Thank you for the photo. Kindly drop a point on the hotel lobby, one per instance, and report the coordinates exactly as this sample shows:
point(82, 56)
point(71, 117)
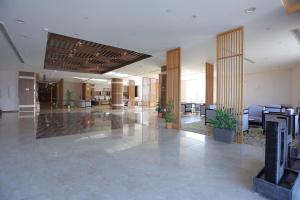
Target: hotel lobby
point(161, 100)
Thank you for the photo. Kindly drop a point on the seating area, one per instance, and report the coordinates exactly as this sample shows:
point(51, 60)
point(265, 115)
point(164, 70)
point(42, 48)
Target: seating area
point(254, 122)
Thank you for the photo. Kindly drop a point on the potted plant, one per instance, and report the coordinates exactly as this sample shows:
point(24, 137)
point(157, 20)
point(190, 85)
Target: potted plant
point(224, 125)
point(69, 98)
point(159, 109)
point(169, 118)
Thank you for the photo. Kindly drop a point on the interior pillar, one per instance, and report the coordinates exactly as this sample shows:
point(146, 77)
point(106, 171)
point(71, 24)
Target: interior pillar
point(209, 87)
point(60, 102)
point(117, 93)
point(174, 82)
point(230, 74)
point(163, 86)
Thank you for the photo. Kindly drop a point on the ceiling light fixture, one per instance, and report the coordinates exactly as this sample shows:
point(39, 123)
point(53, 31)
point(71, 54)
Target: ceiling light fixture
point(97, 79)
point(81, 78)
point(250, 10)
point(20, 21)
point(117, 74)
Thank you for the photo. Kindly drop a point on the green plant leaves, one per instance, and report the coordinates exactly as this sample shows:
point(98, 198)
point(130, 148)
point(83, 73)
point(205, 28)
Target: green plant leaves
point(224, 120)
point(169, 112)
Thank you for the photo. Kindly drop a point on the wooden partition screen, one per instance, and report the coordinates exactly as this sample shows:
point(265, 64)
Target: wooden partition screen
point(230, 74)
point(150, 92)
point(131, 93)
point(209, 86)
point(173, 82)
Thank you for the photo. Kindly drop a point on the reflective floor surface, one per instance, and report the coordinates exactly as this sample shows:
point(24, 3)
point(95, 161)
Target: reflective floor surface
point(118, 155)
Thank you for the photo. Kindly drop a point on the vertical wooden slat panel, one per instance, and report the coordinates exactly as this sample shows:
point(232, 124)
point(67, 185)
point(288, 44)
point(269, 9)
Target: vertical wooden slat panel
point(174, 82)
point(230, 73)
point(61, 94)
point(131, 93)
point(209, 90)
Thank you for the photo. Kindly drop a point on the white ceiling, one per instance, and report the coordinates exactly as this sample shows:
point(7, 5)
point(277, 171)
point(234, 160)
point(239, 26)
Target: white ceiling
point(151, 27)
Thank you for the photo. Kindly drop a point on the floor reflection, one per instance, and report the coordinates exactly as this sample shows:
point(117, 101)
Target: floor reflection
point(60, 124)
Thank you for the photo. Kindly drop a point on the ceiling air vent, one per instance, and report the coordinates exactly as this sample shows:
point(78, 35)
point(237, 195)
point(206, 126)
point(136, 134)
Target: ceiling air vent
point(249, 60)
point(10, 41)
point(296, 33)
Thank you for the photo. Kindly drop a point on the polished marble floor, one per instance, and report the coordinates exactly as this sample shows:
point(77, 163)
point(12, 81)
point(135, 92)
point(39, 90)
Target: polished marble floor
point(118, 155)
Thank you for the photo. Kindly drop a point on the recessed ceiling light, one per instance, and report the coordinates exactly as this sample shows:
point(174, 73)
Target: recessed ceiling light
point(20, 21)
point(250, 10)
point(194, 16)
point(45, 29)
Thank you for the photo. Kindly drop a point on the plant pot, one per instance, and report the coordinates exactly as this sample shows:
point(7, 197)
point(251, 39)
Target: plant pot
point(169, 125)
point(223, 135)
point(160, 114)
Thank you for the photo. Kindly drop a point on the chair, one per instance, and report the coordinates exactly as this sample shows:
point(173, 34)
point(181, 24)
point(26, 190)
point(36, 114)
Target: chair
point(255, 113)
point(202, 109)
point(246, 120)
point(210, 112)
point(197, 107)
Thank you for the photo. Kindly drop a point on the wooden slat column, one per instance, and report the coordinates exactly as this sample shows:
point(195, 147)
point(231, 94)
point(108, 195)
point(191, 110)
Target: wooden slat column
point(60, 101)
point(87, 91)
point(174, 82)
point(117, 93)
point(209, 90)
point(163, 86)
point(131, 93)
point(230, 74)
point(291, 6)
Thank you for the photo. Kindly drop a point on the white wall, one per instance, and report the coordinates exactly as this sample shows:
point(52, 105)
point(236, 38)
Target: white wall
point(193, 89)
point(99, 87)
point(9, 99)
point(296, 87)
point(271, 87)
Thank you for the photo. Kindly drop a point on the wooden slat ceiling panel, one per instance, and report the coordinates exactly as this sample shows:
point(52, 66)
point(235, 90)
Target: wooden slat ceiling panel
point(72, 54)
